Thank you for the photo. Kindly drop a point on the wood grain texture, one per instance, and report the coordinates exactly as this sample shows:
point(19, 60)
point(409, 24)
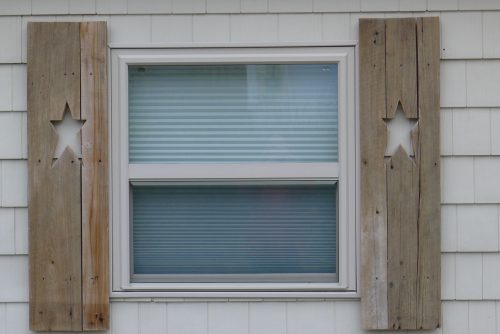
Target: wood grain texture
point(400, 196)
point(429, 256)
point(54, 187)
point(373, 175)
point(95, 210)
point(402, 240)
point(401, 66)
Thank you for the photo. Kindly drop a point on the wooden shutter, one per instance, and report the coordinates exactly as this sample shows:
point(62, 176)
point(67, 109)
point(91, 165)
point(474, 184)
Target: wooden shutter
point(68, 195)
point(400, 195)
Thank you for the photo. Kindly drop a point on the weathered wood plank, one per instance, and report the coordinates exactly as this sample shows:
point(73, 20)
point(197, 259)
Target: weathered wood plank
point(429, 257)
point(401, 66)
point(95, 214)
point(54, 187)
point(373, 175)
point(402, 241)
point(402, 177)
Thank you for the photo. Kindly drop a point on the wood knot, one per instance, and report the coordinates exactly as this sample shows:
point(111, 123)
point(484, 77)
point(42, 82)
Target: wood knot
point(99, 317)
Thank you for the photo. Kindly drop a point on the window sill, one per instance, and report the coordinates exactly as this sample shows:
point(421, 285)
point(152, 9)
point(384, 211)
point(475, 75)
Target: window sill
point(235, 291)
point(226, 296)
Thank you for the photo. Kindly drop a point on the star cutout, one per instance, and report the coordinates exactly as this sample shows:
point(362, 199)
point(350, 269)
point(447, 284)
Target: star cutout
point(399, 133)
point(68, 134)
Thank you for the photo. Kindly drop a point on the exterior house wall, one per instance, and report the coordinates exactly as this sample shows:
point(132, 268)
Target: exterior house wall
point(470, 148)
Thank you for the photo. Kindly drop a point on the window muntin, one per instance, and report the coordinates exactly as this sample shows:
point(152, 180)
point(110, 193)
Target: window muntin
point(261, 172)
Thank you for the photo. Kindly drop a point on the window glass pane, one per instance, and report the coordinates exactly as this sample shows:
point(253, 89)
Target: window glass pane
point(234, 229)
point(233, 113)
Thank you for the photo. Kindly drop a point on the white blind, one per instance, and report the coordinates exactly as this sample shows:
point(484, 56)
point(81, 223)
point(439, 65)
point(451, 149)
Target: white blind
point(234, 229)
point(233, 113)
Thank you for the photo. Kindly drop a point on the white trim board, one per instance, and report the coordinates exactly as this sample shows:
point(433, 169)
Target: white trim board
point(344, 171)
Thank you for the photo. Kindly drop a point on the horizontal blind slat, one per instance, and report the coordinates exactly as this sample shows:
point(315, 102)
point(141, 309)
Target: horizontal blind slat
point(233, 113)
point(234, 229)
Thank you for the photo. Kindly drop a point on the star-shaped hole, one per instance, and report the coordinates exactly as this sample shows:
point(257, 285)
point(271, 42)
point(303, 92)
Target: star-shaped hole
point(68, 134)
point(399, 133)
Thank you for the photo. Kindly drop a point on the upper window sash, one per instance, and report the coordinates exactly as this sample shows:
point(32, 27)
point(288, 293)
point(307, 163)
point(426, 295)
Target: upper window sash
point(284, 55)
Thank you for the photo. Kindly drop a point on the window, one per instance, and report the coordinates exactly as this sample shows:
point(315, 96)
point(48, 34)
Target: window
point(234, 171)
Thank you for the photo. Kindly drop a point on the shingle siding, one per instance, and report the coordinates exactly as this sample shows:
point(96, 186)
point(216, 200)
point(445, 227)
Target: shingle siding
point(44, 7)
point(470, 148)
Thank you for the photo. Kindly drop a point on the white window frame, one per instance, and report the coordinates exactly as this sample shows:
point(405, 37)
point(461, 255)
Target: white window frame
point(345, 171)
